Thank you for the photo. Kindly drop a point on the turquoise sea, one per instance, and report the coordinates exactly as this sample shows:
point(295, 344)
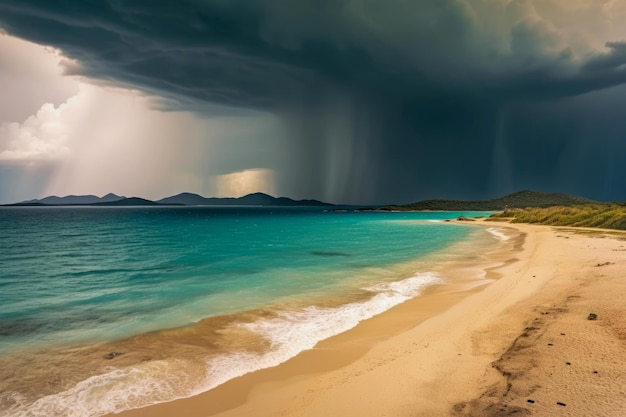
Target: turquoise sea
point(105, 309)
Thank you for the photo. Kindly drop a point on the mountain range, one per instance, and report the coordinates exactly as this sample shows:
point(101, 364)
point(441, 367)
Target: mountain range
point(53, 200)
point(183, 199)
point(256, 199)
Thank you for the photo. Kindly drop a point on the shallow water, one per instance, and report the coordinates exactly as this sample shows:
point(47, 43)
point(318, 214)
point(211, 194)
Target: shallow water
point(88, 294)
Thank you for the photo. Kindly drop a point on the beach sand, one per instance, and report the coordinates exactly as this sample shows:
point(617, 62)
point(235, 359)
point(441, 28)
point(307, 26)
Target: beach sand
point(523, 345)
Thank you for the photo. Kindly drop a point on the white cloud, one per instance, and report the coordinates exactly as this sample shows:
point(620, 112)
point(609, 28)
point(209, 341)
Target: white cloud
point(41, 137)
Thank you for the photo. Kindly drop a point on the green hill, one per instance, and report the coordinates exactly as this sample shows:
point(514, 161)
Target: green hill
point(521, 199)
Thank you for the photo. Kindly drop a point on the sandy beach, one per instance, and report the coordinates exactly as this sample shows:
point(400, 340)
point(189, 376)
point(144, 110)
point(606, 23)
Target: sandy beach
point(546, 337)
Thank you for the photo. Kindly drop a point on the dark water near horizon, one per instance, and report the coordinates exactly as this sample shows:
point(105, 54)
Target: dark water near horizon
point(245, 288)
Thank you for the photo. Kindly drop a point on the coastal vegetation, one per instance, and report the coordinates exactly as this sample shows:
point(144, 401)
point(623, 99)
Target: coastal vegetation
point(600, 215)
point(536, 207)
point(520, 199)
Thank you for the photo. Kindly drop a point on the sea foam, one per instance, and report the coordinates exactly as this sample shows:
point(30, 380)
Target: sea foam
point(115, 391)
point(293, 332)
point(288, 334)
point(497, 233)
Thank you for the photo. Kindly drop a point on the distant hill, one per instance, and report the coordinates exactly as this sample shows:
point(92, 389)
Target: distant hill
point(521, 199)
point(256, 199)
point(131, 201)
point(186, 199)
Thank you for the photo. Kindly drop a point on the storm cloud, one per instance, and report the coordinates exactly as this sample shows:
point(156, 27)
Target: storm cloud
point(382, 101)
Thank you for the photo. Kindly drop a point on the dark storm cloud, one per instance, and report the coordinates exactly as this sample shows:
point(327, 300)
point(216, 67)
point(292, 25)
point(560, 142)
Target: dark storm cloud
point(599, 72)
point(384, 99)
point(208, 53)
point(255, 53)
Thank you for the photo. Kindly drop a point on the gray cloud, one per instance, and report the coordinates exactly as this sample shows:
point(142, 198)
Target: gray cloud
point(257, 54)
point(383, 100)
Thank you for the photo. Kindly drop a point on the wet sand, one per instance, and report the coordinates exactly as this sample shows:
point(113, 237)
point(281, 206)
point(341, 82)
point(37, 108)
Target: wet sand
point(523, 345)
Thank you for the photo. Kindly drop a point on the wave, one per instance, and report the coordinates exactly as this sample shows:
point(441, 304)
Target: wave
point(497, 233)
point(293, 332)
point(287, 334)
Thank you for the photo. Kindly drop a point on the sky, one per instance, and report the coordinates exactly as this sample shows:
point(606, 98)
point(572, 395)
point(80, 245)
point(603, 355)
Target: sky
point(346, 101)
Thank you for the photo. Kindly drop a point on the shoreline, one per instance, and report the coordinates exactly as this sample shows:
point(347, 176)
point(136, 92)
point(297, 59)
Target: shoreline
point(347, 347)
point(460, 353)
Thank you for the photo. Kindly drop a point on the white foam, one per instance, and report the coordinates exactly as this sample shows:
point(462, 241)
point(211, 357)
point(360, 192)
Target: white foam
point(497, 233)
point(11, 401)
point(294, 332)
point(115, 391)
point(288, 334)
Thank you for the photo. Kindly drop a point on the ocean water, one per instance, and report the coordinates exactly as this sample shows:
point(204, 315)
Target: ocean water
point(106, 309)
